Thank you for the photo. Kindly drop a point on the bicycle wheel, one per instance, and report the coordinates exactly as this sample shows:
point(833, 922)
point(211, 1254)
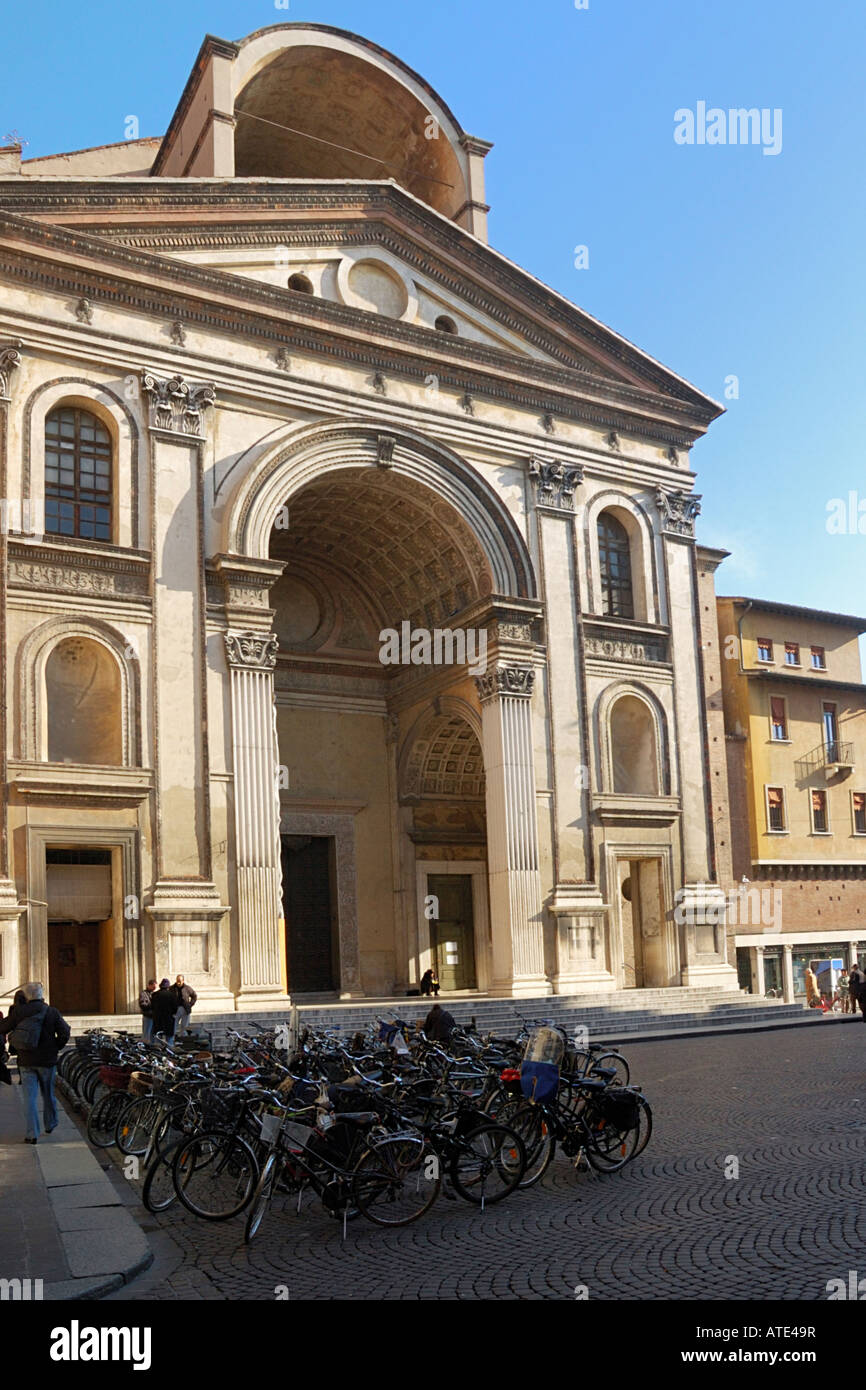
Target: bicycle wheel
point(158, 1191)
point(529, 1123)
point(396, 1180)
point(103, 1118)
point(610, 1146)
point(135, 1125)
point(645, 1128)
point(215, 1175)
point(490, 1164)
point(612, 1061)
point(261, 1198)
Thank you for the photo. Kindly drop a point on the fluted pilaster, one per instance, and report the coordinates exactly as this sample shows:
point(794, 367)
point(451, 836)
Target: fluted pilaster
point(251, 658)
point(512, 830)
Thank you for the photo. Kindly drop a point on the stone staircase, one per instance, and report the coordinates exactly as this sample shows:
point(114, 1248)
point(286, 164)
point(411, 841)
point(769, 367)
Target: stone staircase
point(610, 1017)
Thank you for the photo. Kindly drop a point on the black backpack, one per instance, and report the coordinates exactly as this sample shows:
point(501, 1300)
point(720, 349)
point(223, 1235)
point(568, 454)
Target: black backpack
point(26, 1034)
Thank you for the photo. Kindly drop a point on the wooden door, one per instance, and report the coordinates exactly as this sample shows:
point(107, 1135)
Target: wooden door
point(453, 932)
point(312, 958)
point(73, 967)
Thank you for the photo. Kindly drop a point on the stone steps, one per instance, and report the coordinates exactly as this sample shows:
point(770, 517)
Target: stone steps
point(614, 1014)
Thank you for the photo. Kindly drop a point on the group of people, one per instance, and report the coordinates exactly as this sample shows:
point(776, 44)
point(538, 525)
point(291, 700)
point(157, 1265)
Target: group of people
point(850, 991)
point(165, 1008)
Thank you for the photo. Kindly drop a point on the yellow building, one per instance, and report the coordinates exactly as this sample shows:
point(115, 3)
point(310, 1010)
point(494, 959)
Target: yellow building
point(795, 724)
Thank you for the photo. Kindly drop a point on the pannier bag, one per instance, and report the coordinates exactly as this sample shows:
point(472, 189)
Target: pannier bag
point(619, 1107)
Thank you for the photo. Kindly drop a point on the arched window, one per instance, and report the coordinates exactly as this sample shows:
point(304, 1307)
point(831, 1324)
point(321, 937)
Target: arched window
point(445, 325)
point(634, 760)
point(78, 475)
point(301, 284)
point(84, 704)
point(614, 558)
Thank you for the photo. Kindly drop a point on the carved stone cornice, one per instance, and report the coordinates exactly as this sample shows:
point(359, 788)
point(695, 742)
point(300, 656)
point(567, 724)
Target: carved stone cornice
point(516, 681)
point(555, 484)
point(251, 651)
point(678, 512)
point(10, 359)
point(176, 407)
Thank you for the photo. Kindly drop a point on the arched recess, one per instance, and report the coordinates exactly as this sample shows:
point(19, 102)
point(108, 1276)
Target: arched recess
point(281, 469)
point(119, 420)
point(632, 732)
point(447, 733)
point(369, 114)
point(32, 693)
point(639, 528)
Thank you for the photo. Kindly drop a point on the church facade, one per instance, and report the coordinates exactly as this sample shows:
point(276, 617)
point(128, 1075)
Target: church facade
point(349, 584)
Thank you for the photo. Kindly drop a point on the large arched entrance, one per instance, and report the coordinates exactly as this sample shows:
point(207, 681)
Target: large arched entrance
point(382, 767)
point(400, 657)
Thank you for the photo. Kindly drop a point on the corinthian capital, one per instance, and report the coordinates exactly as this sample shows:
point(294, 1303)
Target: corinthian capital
point(505, 680)
point(252, 651)
point(678, 512)
point(177, 406)
point(10, 358)
point(554, 484)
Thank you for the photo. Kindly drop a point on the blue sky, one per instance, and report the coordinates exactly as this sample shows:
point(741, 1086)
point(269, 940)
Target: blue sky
point(718, 260)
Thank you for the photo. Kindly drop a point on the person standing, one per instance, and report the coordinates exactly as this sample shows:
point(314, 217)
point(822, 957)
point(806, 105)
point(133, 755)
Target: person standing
point(184, 998)
point(163, 1009)
point(813, 994)
point(37, 1032)
point(857, 989)
point(844, 989)
point(144, 1003)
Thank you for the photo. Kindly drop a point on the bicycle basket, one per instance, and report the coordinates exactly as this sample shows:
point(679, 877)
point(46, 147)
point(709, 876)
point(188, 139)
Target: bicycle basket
point(539, 1070)
point(618, 1107)
point(117, 1078)
point(140, 1083)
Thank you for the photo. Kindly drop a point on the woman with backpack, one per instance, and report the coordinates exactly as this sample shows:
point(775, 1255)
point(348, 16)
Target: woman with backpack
point(36, 1032)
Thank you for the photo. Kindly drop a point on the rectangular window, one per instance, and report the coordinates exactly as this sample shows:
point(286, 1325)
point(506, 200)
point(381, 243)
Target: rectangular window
point(831, 733)
point(818, 662)
point(820, 824)
point(778, 718)
point(858, 800)
point(775, 808)
point(792, 653)
point(765, 649)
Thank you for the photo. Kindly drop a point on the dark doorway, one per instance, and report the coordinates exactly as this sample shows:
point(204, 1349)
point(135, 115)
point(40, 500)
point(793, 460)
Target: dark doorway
point(73, 967)
point(453, 932)
point(312, 951)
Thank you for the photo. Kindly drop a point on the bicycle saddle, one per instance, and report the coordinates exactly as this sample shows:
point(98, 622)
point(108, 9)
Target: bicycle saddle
point(362, 1118)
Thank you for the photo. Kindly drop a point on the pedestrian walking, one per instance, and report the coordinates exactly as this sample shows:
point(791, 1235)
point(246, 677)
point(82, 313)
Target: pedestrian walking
point(163, 1010)
point(184, 999)
point(144, 1003)
point(36, 1032)
point(813, 993)
point(857, 988)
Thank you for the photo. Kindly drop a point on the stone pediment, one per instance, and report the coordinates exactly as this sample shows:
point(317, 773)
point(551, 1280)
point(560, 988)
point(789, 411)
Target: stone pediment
point(370, 250)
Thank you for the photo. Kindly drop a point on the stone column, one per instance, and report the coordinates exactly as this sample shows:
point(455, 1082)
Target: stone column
point(512, 831)
point(760, 978)
point(251, 658)
point(788, 974)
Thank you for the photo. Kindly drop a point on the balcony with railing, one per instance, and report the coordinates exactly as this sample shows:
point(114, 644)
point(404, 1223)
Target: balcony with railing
point(832, 757)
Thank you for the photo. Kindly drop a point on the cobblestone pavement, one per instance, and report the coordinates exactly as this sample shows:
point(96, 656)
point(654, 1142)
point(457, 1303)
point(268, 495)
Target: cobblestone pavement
point(789, 1106)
